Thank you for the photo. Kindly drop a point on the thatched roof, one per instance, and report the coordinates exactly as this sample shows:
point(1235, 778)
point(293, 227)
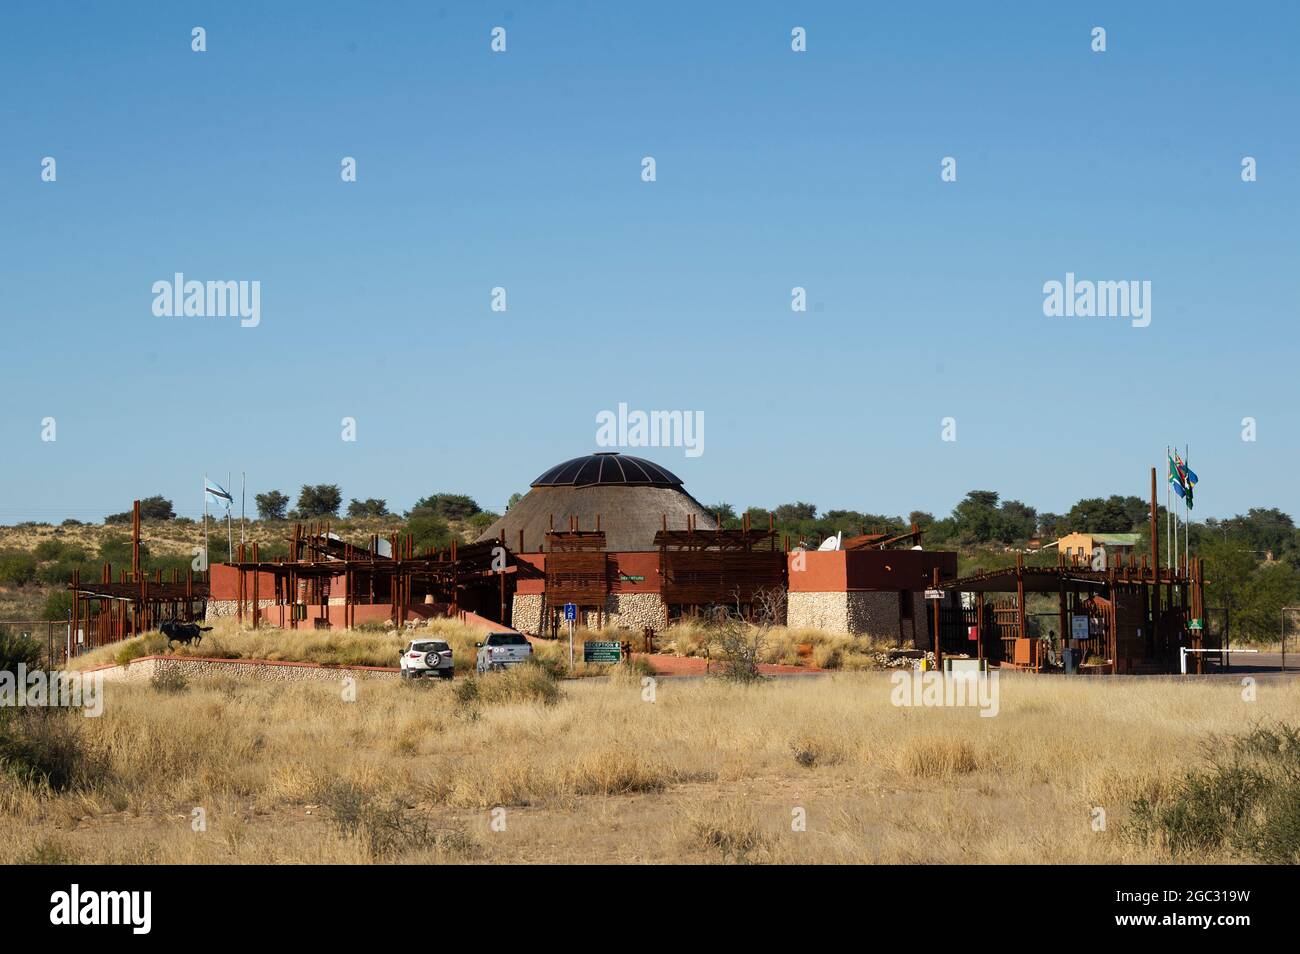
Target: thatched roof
point(629, 515)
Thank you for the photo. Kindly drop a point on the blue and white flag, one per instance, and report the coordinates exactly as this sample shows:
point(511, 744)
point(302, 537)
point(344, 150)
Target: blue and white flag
point(216, 493)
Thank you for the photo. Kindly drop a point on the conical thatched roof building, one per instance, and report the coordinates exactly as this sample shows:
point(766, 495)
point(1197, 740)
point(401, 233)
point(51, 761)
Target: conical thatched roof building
point(631, 496)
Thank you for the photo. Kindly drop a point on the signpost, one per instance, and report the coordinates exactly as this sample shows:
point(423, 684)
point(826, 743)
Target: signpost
point(570, 615)
point(601, 652)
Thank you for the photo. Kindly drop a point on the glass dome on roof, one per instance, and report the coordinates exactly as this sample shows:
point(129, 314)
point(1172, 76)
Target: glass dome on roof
point(607, 469)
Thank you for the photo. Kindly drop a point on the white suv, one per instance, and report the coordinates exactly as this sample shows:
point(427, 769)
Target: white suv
point(427, 657)
point(502, 650)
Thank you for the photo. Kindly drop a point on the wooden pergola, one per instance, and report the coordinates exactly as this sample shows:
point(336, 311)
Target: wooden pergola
point(373, 574)
point(110, 610)
point(1139, 613)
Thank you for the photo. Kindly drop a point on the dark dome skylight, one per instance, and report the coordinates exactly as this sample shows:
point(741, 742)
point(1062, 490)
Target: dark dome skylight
point(608, 469)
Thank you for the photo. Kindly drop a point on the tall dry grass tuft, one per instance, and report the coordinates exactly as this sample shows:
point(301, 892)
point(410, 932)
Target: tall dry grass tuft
point(930, 757)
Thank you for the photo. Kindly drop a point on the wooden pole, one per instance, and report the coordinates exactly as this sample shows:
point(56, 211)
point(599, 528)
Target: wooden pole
point(938, 648)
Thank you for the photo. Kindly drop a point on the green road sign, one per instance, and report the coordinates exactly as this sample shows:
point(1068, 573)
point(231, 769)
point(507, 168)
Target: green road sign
point(601, 652)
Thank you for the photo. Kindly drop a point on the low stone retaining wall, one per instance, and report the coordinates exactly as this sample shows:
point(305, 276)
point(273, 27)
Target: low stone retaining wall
point(266, 670)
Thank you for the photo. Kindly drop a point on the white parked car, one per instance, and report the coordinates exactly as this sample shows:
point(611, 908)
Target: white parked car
point(427, 657)
point(501, 650)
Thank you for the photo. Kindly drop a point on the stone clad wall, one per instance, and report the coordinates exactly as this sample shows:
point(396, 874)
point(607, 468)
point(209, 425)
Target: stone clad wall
point(144, 669)
point(526, 614)
point(630, 611)
point(859, 613)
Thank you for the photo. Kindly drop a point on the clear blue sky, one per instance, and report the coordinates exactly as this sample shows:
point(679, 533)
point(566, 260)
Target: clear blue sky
point(522, 170)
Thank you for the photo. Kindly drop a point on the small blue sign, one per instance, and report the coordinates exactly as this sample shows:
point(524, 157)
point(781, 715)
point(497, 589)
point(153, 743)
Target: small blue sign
point(570, 611)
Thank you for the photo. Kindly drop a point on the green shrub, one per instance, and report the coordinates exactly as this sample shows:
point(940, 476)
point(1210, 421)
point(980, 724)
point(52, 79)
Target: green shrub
point(17, 568)
point(17, 649)
point(1247, 800)
point(57, 605)
point(150, 644)
point(48, 550)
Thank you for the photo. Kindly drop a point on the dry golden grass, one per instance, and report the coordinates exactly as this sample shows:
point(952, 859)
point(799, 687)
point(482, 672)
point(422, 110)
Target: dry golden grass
point(781, 645)
point(357, 647)
point(707, 772)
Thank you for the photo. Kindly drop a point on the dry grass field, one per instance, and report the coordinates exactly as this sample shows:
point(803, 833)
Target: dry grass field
point(518, 768)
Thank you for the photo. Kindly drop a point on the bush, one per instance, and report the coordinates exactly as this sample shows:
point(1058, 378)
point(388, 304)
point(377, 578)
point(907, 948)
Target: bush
point(387, 829)
point(483, 519)
point(740, 648)
point(169, 680)
point(16, 649)
point(57, 605)
point(48, 550)
point(428, 531)
point(45, 748)
point(116, 549)
point(447, 506)
point(1246, 800)
point(524, 683)
point(150, 644)
point(17, 569)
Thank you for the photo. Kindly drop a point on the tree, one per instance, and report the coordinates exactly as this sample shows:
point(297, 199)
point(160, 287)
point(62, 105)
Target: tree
point(272, 505)
point(975, 518)
point(447, 506)
point(320, 500)
point(921, 518)
point(1114, 514)
point(514, 499)
point(1263, 530)
point(371, 507)
point(428, 530)
point(1253, 594)
point(1016, 521)
point(156, 507)
point(789, 513)
point(1049, 524)
point(725, 511)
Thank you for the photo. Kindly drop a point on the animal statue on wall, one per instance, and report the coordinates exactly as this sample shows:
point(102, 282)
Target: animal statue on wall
point(179, 632)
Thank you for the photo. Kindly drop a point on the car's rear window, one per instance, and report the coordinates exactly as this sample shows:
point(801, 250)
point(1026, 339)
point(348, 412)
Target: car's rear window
point(506, 639)
point(433, 647)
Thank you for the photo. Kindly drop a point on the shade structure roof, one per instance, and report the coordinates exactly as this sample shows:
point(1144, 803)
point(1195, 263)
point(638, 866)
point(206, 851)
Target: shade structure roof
point(610, 468)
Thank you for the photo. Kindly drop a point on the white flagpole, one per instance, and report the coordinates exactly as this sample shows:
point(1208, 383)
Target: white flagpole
point(205, 518)
point(230, 530)
point(1169, 514)
point(1173, 554)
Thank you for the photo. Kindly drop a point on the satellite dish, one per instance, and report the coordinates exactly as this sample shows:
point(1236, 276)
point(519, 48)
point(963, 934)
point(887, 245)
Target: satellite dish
point(830, 543)
point(917, 547)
